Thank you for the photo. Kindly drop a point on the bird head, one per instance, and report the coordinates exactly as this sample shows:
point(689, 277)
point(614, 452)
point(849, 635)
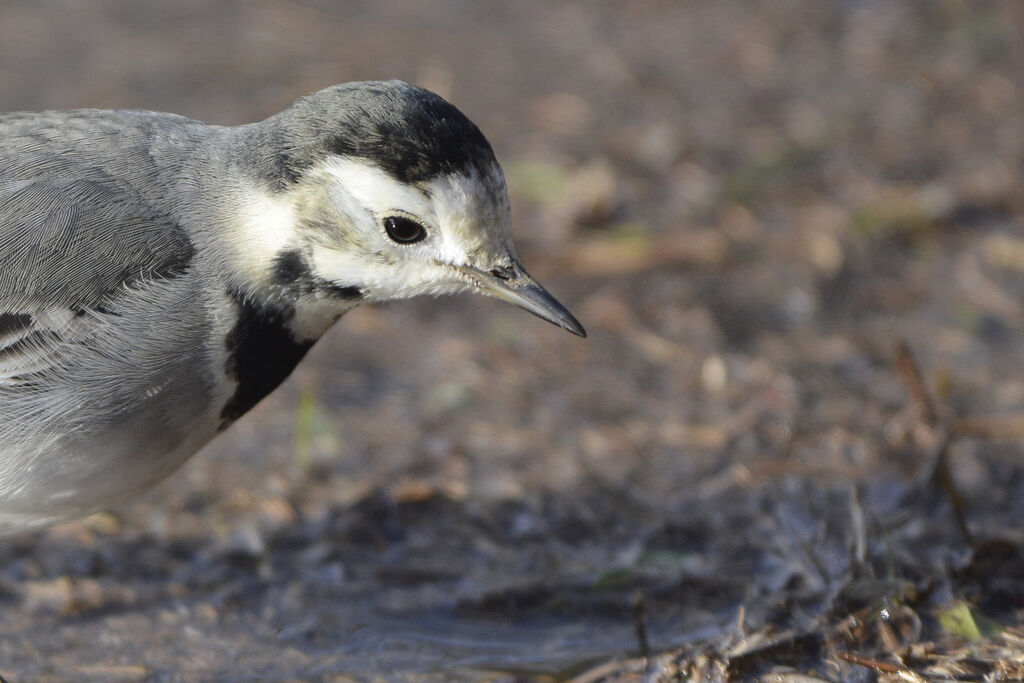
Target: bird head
point(391, 192)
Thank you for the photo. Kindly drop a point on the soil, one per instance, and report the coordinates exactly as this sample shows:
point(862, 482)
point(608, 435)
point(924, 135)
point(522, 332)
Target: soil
point(790, 448)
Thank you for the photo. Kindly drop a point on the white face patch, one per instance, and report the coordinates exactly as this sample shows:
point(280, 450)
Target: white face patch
point(364, 188)
point(332, 223)
point(473, 210)
point(267, 225)
point(465, 217)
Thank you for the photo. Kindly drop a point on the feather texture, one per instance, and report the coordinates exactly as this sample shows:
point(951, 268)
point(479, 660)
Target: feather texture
point(101, 316)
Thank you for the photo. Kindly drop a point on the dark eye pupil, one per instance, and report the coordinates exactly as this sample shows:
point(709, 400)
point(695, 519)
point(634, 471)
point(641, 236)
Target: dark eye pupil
point(404, 230)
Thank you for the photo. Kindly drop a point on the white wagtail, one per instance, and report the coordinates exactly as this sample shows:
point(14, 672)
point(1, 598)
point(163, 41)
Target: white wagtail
point(160, 276)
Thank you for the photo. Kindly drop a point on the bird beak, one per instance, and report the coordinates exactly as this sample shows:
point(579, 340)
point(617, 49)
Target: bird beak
point(513, 284)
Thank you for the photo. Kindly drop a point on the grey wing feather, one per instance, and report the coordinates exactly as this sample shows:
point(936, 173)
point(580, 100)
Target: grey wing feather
point(100, 307)
point(71, 242)
point(73, 237)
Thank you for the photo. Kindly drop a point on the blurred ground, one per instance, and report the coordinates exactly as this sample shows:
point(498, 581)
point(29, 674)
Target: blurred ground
point(748, 205)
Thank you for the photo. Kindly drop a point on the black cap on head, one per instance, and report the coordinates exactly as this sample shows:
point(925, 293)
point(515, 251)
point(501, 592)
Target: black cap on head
point(410, 133)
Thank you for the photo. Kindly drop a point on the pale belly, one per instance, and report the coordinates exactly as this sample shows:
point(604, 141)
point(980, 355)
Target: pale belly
point(69, 478)
point(122, 400)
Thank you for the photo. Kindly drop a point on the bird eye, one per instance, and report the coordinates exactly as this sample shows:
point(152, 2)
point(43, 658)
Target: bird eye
point(404, 230)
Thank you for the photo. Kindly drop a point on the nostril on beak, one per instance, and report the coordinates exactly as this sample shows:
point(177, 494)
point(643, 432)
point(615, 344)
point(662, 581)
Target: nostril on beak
point(505, 273)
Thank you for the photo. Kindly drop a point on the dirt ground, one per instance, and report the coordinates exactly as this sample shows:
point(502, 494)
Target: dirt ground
point(793, 230)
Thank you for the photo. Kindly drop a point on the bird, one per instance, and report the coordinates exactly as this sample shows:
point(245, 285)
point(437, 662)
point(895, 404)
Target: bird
point(160, 276)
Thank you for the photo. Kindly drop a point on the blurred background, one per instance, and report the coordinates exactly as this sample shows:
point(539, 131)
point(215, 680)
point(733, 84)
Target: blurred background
point(749, 205)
